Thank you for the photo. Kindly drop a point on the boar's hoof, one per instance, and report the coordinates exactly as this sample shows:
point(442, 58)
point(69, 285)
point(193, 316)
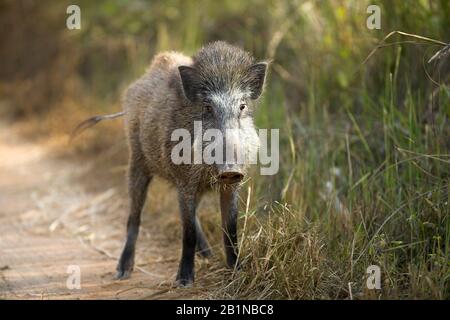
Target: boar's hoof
point(122, 274)
point(184, 283)
point(234, 264)
point(204, 252)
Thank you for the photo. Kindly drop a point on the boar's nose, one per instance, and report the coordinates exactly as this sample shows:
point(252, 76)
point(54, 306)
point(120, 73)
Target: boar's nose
point(230, 177)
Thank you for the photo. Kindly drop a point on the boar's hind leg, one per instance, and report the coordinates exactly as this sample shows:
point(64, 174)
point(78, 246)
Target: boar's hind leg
point(185, 276)
point(203, 247)
point(229, 211)
point(138, 181)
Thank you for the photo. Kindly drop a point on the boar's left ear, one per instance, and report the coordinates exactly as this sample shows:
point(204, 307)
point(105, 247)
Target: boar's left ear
point(257, 76)
point(189, 81)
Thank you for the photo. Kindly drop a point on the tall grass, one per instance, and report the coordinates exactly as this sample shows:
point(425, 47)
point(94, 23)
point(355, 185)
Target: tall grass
point(362, 192)
point(364, 164)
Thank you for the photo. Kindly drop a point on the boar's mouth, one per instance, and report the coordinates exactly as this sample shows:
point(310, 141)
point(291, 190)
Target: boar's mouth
point(230, 177)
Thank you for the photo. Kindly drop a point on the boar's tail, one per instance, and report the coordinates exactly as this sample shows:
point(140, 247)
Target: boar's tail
point(86, 124)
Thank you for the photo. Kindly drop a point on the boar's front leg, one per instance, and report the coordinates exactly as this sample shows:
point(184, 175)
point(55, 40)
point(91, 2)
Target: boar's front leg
point(187, 202)
point(229, 211)
point(138, 181)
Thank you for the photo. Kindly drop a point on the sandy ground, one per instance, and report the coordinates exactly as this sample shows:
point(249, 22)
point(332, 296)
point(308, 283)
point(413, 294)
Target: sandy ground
point(52, 223)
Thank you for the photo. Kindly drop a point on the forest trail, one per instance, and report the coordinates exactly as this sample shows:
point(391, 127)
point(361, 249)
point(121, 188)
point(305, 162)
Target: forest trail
point(52, 223)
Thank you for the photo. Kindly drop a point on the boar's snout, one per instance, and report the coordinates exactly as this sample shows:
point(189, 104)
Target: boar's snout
point(230, 177)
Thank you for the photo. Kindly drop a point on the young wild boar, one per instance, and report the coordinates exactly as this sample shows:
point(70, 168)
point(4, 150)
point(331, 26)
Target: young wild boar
point(218, 86)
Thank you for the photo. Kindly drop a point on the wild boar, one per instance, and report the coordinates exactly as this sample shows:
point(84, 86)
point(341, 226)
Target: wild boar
point(218, 87)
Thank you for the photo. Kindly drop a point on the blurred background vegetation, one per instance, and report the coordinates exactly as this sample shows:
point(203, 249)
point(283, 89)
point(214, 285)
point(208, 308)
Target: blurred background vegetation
point(364, 164)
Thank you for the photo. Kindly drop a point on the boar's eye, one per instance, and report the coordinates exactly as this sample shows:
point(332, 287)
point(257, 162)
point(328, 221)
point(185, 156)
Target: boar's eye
point(242, 106)
point(207, 109)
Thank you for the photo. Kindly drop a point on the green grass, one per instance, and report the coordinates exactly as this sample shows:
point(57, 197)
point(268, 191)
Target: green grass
point(386, 204)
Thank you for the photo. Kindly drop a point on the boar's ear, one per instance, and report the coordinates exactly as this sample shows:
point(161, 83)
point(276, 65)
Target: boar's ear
point(257, 75)
point(189, 80)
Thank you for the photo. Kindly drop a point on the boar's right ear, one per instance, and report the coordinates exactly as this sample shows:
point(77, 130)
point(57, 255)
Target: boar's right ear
point(189, 80)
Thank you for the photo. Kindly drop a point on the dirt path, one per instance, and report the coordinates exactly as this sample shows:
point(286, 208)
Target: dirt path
point(51, 222)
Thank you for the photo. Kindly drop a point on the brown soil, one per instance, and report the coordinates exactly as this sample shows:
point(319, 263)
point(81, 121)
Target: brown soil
point(57, 212)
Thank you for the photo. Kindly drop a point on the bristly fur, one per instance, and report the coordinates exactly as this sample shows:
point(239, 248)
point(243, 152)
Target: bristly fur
point(222, 67)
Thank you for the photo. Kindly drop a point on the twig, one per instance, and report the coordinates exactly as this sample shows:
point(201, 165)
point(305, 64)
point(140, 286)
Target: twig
point(111, 256)
point(383, 44)
point(441, 53)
